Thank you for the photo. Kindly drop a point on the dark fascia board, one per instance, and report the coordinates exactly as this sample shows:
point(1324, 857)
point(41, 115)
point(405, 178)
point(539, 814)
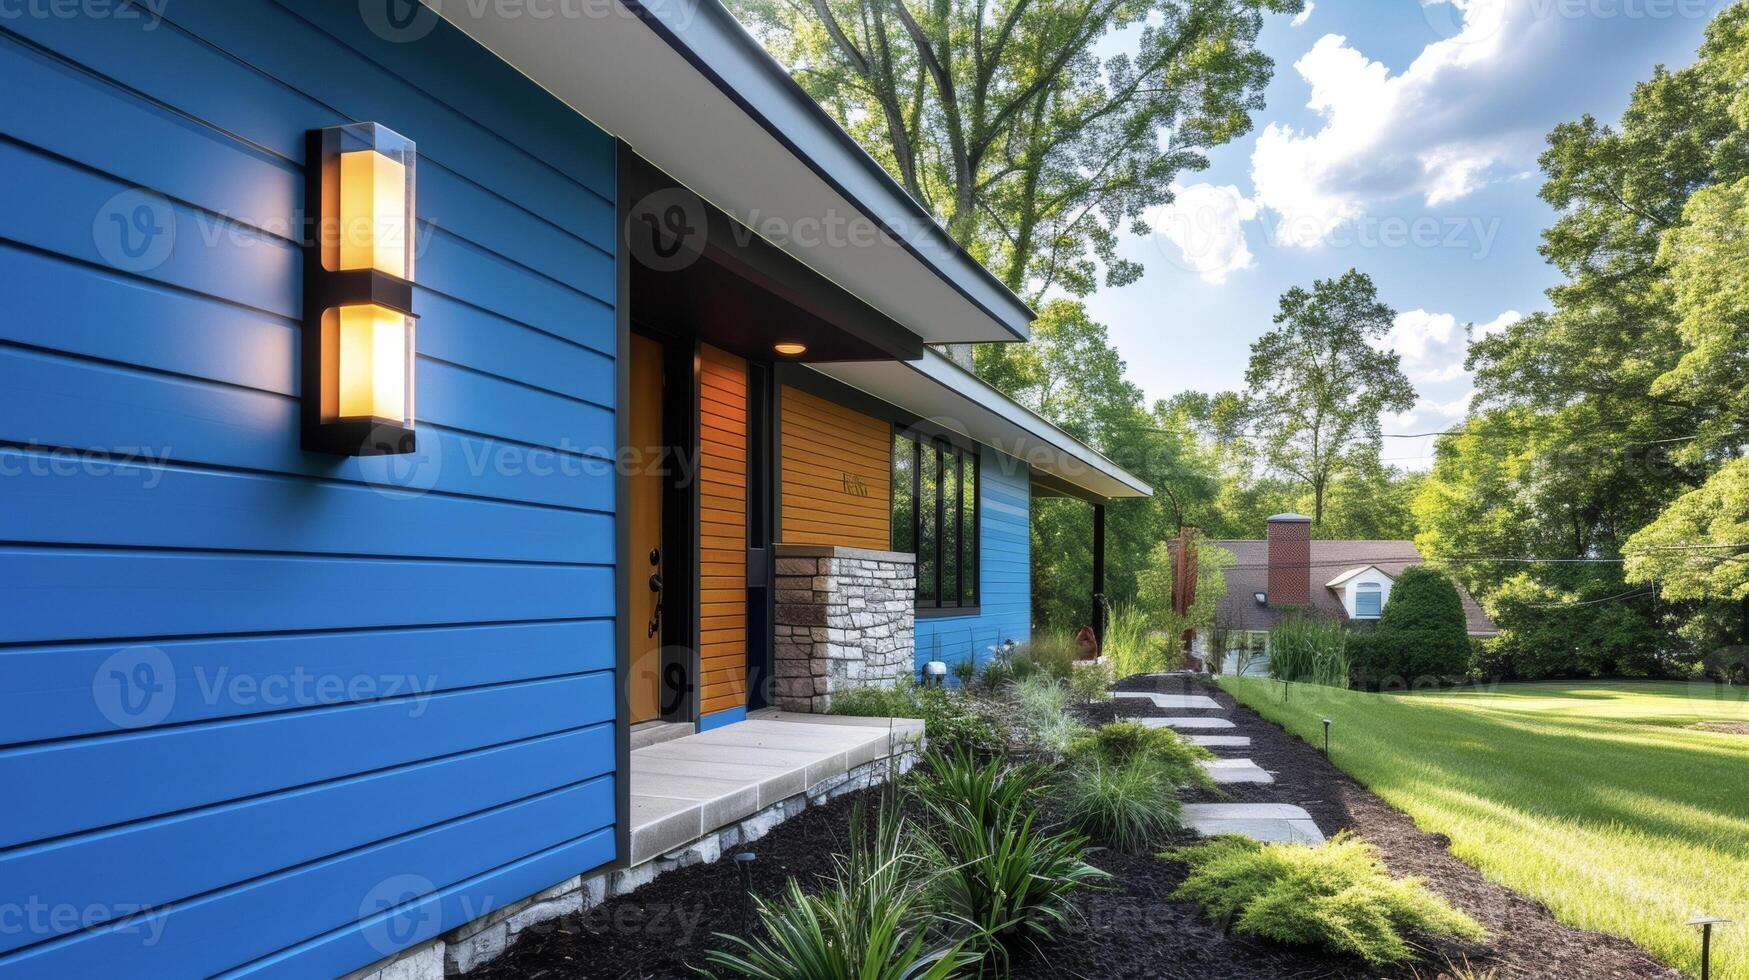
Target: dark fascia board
point(721, 49)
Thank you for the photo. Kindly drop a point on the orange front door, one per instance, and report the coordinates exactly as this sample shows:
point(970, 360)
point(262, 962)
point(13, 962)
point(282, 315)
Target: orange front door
point(644, 516)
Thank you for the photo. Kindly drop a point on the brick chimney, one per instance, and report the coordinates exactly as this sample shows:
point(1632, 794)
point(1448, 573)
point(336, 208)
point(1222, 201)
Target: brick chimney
point(1290, 560)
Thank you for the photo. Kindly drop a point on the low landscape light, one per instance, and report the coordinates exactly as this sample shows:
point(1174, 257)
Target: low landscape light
point(1706, 923)
point(1326, 738)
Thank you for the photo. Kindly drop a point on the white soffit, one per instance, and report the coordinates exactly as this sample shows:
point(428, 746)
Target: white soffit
point(693, 93)
point(940, 391)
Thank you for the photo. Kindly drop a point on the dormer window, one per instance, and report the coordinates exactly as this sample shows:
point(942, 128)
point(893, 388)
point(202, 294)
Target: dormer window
point(1368, 600)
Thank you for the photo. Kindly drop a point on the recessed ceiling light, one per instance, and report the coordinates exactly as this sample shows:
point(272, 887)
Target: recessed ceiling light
point(790, 348)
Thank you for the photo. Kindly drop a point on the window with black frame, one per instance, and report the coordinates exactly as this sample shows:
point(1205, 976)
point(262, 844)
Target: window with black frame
point(935, 517)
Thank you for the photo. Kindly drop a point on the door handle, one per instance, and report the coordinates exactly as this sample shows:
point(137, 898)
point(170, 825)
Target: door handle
point(656, 582)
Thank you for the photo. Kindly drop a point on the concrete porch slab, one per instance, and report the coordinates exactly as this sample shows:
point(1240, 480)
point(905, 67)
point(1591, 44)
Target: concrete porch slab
point(1220, 741)
point(1187, 723)
point(1237, 771)
point(685, 788)
point(1173, 702)
point(1271, 823)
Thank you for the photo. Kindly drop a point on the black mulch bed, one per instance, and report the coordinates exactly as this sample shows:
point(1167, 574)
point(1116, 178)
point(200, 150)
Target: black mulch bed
point(1133, 929)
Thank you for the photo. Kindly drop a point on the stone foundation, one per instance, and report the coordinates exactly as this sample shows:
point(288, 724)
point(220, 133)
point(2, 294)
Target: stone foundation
point(846, 618)
point(466, 947)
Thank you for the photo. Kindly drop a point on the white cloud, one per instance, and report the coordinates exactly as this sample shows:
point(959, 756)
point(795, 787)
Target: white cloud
point(1204, 230)
point(1457, 118)
point(1498, 324)
point(1303, 16)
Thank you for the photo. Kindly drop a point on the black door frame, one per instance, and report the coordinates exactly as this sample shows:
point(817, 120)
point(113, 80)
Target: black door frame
point(761, 534)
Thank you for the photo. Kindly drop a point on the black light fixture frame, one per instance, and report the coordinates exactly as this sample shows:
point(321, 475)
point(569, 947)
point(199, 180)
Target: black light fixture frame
point(325, 289)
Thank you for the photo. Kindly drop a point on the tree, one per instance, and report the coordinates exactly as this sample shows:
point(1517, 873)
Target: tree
point(1318, 384)
point(1422, 634)
point(1593, 420)
point(1006, 122)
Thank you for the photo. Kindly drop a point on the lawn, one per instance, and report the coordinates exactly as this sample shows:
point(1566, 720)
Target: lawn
point(1600, 799)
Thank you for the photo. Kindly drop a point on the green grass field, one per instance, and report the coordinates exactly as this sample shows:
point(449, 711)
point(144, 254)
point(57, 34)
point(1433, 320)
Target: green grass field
point(1599, 799)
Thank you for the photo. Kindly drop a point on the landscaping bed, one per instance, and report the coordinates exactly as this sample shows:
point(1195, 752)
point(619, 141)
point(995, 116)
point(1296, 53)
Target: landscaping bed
point(1131, 927)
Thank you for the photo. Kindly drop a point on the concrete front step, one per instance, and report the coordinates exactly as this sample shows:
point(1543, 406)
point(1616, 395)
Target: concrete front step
point(1237, 771)
point(1186, 723)
point(1271, 823)
point(1220, 741)
point(1174, 702)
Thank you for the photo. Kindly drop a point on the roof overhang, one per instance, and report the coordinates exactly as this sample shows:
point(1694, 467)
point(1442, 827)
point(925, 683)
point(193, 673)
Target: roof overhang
point(949, 397)
point(685, 85)
point(1354, 572)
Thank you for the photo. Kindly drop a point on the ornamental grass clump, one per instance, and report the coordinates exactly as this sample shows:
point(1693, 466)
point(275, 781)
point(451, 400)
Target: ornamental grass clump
point(1122, 742)
point(872, 920)
point(1129, 806)
point(997, 872)
point(1337, 896)
point(1310, 651)
point(1041, 713)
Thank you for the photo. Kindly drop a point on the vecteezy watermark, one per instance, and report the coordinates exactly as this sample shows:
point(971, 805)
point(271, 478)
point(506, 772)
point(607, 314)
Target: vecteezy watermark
point(135, 231)
point(399, 911)
point(648, 919)
point(667, 231)
point(1475, 21)
point(406, 21)
point(147, 13)
point(1472, 234)
point(135, 687)
point(138, 686)
point(142, 463)
point(39, 918)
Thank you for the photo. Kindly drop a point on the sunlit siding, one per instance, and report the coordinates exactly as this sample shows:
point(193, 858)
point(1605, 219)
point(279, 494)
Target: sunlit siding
point(1005, 604)
point(211, 640)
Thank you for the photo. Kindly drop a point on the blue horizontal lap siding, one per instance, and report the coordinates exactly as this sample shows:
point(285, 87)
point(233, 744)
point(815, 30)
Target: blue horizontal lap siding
point(1004, 579)
point(359, 673)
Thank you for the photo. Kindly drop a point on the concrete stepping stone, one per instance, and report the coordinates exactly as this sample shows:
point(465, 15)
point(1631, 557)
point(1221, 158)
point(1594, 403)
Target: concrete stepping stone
point(1237, 771)
point(1174, 702)
point(1271, 823)
point(1220, 741)
point(1185, 723)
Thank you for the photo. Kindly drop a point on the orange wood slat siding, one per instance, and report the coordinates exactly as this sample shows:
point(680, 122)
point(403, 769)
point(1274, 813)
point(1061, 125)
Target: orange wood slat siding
point(722, 532)
point(837, 474)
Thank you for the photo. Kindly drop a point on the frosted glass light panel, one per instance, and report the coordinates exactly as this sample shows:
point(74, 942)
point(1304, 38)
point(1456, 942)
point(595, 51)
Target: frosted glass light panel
point(367, 200)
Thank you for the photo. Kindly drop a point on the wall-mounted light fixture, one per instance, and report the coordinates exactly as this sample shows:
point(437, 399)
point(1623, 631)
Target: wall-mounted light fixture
point(358, 292)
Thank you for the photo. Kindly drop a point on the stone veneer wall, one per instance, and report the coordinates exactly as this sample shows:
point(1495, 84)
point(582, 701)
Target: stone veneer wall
point(846, 618)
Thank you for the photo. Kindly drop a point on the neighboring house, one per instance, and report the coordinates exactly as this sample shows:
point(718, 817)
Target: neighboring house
point(1288, 571)
point(301, 674)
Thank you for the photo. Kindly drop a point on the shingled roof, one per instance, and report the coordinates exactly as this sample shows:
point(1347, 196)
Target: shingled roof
point(1249, 574)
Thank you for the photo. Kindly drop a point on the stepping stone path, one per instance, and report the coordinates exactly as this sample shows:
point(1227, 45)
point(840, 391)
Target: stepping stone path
point(1182, 723)
point(1237, 771)
point(1174, 702)
point(1271, 823)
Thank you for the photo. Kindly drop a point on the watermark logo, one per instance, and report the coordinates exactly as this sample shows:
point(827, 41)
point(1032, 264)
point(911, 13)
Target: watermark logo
point(409, 919)
point(148, 13)
point(400, 21)
point(405, 474)
point(135, 687)
point(666, 231)
point(135, 231)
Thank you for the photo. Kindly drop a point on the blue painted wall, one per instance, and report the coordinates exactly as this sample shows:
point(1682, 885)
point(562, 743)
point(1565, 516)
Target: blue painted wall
point(1005, 571)
point(302, 711)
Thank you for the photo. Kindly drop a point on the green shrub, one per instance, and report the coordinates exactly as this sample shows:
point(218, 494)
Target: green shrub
point(1310, 651)
point(1336, 896)
point(1131, 644)
point(1051, 653)
point(899, 701)
point(1130, 805)
point(870, 921)
point(952, 719)
point(1422, 634)
point(1000, 874)
point(965, 671)
point(1090, 682)
point(1122, 742)
point(1041, 713)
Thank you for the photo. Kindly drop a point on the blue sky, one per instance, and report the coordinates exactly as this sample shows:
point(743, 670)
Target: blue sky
point(1400, 139)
